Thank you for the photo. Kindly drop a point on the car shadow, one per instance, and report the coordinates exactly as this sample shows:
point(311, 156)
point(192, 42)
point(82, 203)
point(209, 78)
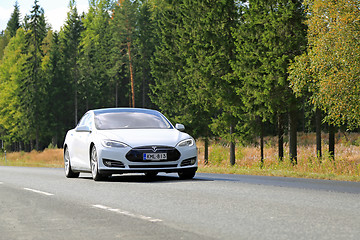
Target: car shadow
point(139, 178)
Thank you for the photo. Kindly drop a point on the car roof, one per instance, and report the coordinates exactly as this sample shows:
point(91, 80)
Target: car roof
point(115, 110)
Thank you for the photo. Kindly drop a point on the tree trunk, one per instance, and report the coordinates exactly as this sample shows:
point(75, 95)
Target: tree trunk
point(131, 76)
point(75, 104)
point(318, 132)
point(232, 147)
point(206, 152)
point(261, 144)
point(116, 94)
point(37, 143)
point(143, 89)
point(280, 138)
point(293, 136)
point(332, 142)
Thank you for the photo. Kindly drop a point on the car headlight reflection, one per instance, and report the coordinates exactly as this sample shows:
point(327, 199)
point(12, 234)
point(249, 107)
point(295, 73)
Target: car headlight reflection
point(113, 144)
point(186, 143)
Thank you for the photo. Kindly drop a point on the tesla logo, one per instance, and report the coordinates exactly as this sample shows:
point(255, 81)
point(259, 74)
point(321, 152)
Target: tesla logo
point(154, 148)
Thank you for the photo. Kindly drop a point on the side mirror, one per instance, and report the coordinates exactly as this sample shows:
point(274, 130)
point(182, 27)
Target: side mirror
point(180, 127)
point(82, 129)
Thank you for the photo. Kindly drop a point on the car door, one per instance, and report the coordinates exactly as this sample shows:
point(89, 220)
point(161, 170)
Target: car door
point(81, 143)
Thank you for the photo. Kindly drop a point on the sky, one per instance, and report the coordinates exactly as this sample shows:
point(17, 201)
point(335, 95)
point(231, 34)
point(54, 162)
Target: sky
point(55, 10)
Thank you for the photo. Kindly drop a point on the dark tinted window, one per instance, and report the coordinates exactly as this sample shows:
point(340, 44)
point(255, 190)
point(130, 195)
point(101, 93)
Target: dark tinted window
point(131, 120)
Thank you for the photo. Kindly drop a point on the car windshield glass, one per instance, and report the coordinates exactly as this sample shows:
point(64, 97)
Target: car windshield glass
point(130, 120)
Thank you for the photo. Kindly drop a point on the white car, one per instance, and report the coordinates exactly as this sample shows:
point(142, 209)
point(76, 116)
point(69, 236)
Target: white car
point(128, 140)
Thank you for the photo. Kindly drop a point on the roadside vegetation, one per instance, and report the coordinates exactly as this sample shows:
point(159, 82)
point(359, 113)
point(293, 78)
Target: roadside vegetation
point(346, 167)
point(236, 70)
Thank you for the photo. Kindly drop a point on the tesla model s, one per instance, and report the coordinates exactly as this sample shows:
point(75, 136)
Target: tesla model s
point(128, 140)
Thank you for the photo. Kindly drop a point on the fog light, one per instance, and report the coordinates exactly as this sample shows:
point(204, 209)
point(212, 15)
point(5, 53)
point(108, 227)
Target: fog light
point(107, 163)
point(193, 161)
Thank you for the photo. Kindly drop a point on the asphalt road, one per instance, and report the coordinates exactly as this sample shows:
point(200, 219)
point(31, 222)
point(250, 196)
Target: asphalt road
point(40, 203)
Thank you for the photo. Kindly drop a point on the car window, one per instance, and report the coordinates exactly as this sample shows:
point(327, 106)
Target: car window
point(84, 120)
point(131, 120)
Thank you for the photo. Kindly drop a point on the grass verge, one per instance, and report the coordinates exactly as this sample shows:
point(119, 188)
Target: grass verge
point(346, 166)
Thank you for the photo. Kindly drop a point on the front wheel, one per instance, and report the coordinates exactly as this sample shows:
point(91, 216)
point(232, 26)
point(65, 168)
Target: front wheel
point(187, 174)
point(95, 165)
point(69, 173)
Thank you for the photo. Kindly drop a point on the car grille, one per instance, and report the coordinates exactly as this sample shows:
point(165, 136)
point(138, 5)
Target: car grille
point(112, 163)
point(154, 166)
point(136, 154)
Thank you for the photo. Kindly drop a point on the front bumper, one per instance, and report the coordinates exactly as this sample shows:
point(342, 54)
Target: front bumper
point(114, 161)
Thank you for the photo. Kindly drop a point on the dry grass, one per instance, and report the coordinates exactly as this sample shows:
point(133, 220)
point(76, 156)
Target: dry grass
point(345, 167)
point(47, 158)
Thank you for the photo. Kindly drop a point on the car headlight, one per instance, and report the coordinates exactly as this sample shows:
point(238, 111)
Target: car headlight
point(114, 144)
point(186, 143)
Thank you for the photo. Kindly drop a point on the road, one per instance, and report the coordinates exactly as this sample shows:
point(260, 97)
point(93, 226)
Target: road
point(40, 203)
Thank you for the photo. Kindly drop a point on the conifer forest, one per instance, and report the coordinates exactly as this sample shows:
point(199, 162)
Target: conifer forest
point(229, 69)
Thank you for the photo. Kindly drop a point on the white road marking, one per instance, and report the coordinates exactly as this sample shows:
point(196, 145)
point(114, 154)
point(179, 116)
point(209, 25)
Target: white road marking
point(37, 191)
point(126, 213)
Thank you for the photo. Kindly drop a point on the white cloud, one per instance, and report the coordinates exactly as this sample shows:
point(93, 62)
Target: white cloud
point(56, 17)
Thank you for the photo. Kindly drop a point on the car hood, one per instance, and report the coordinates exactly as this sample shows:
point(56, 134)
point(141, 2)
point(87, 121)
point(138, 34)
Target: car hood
point(145, 137)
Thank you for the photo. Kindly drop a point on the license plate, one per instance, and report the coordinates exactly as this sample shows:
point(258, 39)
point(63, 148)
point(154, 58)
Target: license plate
point(155, 156)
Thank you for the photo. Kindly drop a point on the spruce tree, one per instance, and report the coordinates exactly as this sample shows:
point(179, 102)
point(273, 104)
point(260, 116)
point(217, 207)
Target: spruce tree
point(69, 42)
point(14, 23)
point(95, 89)
point(271, 34)
point(207, 45)
point(145, 42)
point(32, 86)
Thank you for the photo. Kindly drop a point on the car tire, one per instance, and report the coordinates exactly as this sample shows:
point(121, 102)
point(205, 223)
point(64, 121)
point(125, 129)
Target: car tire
point(151, 174)
point(186, 174)
point(69, 173)
point(95, 165)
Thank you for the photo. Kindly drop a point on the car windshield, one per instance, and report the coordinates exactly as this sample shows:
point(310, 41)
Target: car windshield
point(131, 120)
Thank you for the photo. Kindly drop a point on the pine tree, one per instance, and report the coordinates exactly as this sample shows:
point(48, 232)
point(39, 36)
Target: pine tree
point(124, 33)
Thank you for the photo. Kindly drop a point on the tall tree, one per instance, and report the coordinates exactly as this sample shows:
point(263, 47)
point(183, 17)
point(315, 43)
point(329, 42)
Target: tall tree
point(272, 33)
point(206, 42)
point(168, 65)
point(124, 30)
point(69, 42)
point(330, 68)
point(145, 42)
point(334, 54)
point(32, 86)
point(94, 85)
point(12, 26)
point(14, 23)
point(57, 91)
point(12, 71)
